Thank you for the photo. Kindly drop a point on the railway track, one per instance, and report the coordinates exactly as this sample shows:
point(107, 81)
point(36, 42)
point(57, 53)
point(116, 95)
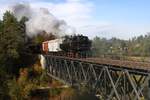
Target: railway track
point(143, 67)
point(122, 63)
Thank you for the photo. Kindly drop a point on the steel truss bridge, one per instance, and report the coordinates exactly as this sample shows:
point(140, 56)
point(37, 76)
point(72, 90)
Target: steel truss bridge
point(110, 82)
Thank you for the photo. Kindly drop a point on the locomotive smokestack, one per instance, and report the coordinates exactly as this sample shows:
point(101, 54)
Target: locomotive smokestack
point(39, 20)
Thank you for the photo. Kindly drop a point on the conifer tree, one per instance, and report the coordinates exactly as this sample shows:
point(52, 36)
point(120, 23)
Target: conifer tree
point(11, 42)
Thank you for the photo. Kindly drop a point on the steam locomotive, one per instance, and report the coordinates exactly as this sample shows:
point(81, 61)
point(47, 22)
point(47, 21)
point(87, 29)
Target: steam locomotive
point(77, 46)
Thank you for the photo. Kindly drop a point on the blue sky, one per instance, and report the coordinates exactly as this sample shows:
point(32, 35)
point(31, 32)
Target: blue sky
point(132, 11)
point(106, 18)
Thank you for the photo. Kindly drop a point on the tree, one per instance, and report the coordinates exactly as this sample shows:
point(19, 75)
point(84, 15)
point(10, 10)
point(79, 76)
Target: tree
point(23, 27)
point(1, 29)
point(11, 43)
point(3, 86)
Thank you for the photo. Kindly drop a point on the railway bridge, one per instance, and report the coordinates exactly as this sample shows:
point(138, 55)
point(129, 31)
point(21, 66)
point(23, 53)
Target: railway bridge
point(110, 79)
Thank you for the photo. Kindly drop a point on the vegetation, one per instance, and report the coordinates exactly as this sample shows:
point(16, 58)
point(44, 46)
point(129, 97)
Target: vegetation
point(29, 79)
point(15, 45)
point(137, 46)
point(11, 42)
point(18, 75)
point(3, 86)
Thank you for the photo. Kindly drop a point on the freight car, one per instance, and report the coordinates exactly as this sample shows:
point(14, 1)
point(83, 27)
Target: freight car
point(52, 45)
point(71, 46)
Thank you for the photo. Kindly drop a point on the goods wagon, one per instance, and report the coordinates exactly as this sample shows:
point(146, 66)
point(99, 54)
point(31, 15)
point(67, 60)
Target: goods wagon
point(52, 45)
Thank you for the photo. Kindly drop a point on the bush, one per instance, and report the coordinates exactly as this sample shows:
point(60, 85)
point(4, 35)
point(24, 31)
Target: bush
point(29, 80)
point(20, 89)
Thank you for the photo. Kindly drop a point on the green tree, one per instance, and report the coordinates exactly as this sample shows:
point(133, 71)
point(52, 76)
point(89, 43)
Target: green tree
point(11, 42)
point(100, 46)
point(1, 29)
point(22, 26)
point(145, 48)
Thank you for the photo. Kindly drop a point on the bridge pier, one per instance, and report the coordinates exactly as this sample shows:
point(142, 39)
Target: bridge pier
point(108, 81)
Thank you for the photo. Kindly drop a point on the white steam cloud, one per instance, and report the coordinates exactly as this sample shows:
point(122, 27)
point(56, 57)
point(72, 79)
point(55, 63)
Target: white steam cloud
point(40, 20)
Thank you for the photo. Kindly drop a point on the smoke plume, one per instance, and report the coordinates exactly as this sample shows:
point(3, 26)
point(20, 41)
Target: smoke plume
point(40, 20)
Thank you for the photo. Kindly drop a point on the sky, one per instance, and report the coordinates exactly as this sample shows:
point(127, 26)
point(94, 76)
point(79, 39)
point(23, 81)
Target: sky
point(105, 18)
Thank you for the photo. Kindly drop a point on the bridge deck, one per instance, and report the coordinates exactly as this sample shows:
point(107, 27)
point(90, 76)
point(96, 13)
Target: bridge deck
point(121, 63)
point(145, 66)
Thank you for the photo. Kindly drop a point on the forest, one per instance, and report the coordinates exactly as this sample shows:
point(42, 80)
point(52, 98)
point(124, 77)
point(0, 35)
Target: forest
point(137, 47)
